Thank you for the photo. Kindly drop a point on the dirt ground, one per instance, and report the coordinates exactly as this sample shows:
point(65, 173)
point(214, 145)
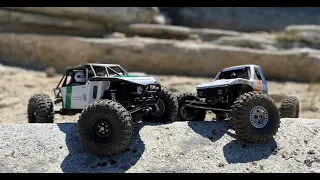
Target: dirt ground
point(18, 85)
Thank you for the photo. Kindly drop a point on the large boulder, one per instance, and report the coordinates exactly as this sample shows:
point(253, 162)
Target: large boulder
point(194, 147)
point(243, 18)
point(303, 28)
point(79, 21)
point(21, 22)
point(105, 15)
point(177, 32)
point(254, 41)
point(156, 56)
point(300, 36)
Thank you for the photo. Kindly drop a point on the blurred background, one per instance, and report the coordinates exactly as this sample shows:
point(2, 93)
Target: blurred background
point(180, 46)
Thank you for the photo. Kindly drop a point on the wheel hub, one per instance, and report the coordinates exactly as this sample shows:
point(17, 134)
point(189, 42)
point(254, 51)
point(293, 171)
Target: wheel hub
point(187, 113)
point(159, 108)
point(103, 128)
point(259, 117)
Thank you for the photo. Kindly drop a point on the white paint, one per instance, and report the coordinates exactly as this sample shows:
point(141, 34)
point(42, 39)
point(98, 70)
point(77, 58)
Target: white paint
point(228, 82)
point(220, 83)
point(140, 80)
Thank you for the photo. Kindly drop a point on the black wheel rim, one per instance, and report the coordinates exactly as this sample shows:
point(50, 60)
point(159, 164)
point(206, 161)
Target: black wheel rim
point(159, 108)
point(103, 129)
point(188, 113)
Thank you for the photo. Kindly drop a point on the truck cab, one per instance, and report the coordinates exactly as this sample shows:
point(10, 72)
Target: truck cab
point(251, 75)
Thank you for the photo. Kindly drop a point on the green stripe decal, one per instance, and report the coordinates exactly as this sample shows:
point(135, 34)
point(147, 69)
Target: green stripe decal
point(68, 97)
point(127, 76)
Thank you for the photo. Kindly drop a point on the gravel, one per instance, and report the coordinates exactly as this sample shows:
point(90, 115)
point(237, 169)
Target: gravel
point(179, 147)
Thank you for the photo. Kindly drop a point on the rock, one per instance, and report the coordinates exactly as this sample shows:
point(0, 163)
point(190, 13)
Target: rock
point(213, 34)
point(159, 30)
point(305, 33)
point(310, 37)
point(176, 32)
point(115, 35)
point(50, 71)
point(144, 54)
point(21, 22)
point(300, 36)
point(245, 19)
point(194, 37)
point(110, 16)
point(303, 28)
point(159, 19)
point(162, 18)
point(75, 21)
point(248, 41)
point(31, 148)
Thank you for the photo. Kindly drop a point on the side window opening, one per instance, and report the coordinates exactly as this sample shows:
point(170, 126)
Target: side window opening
point(262, 75)
point(89, 72)
point(249, 73)
point(111, 73)
point(116, 69)
point(75, 78)
point(70, 78)
point(100, 70)
point(257, 74)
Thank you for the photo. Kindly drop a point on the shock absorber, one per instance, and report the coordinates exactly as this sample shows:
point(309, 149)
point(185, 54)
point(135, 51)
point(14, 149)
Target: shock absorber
point(113, 95)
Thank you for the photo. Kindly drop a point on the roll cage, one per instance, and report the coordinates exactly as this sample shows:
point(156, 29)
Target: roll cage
point(91, 70)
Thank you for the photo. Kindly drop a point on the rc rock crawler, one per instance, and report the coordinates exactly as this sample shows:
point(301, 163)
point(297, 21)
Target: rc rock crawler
point(110, 101)
point(239, 93)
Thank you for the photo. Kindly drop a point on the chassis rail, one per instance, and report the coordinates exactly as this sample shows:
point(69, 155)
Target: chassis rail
point(204, 105)
point(150, 96)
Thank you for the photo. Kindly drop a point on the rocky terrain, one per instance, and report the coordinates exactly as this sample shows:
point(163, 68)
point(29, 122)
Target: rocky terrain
point(242, 18)
point(94, 21)
point(37, 42)
point(180, 147)
point(79, 21)
point(293, 51)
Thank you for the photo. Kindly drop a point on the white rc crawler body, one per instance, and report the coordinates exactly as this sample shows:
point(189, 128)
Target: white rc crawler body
point(110, 101)
point(239, 93)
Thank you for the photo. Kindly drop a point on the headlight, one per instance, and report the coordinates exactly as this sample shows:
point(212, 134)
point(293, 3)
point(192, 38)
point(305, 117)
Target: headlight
point(200, 93)
point(220, 91)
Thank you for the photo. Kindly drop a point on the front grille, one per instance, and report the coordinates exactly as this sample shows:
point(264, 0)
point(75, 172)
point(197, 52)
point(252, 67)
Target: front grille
point(210, 93)
point(150, 94)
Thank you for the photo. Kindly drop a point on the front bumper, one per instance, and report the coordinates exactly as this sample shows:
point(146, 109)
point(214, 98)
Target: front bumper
point(150, 94)
point(214, 92)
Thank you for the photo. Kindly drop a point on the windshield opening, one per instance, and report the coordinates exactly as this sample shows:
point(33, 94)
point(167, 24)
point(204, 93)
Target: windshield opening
point(116, 69)
point(108, 70)
point(234, 73)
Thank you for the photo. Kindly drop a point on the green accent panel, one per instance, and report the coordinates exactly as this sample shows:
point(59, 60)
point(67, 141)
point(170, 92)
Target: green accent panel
point(127, 76)
point(68, 97)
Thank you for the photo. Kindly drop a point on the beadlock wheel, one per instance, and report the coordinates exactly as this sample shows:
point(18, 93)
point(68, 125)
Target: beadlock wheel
point(259, 117)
